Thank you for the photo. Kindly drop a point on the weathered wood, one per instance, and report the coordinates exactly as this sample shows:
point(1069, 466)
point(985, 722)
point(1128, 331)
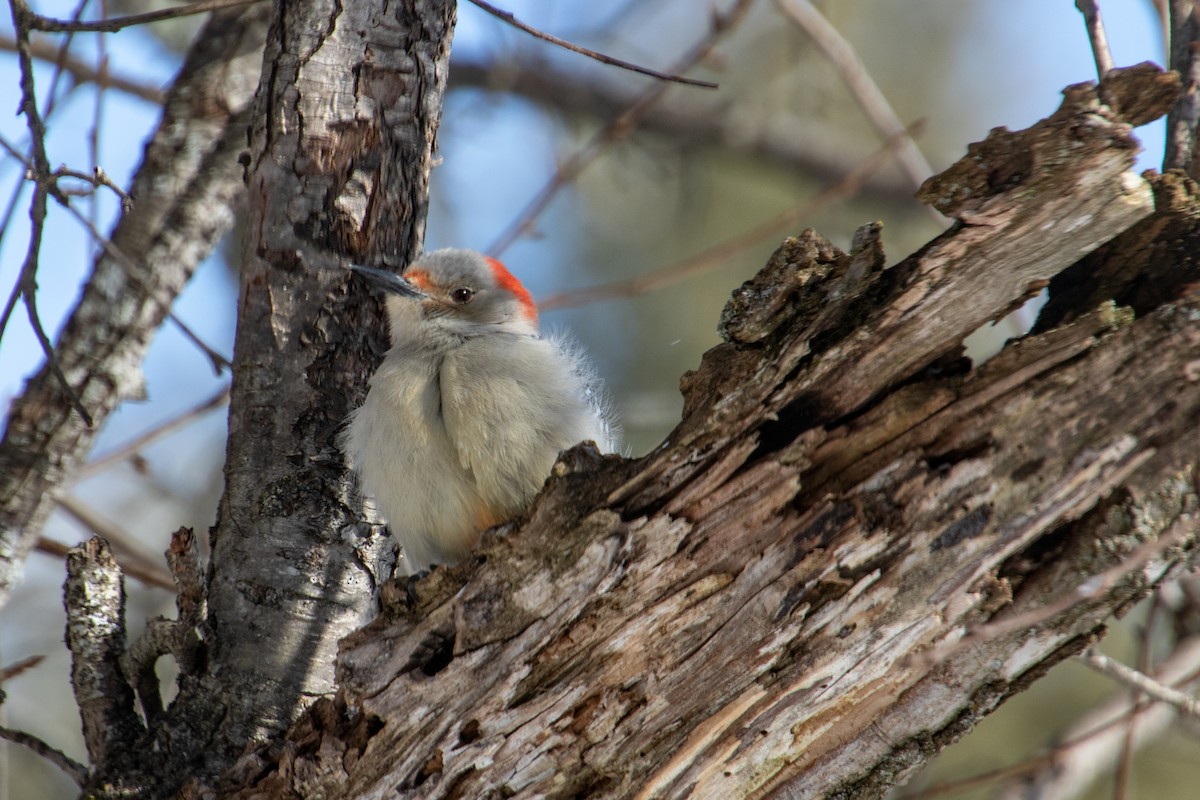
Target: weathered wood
point(853, 547)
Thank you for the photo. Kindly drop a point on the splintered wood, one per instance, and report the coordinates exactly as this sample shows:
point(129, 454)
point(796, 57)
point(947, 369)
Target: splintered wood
point(801, 592)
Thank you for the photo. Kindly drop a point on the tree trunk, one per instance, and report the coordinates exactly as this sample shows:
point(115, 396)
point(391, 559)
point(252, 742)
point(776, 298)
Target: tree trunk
point(341, 146)
point(338, 167)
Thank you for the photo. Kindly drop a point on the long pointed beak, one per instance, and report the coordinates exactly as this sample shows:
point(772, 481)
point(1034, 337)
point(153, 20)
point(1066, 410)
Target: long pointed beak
point(389, 282)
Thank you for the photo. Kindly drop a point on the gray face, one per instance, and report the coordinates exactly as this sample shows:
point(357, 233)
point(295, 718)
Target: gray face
point(462, 289)
point(458, 292)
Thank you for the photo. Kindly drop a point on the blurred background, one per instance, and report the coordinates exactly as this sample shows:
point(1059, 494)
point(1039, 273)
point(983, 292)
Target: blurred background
point(697, 196)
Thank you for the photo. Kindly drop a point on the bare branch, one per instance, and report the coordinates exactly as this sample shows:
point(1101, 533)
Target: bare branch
point(619, 128)
point(180, 637)
point(1181, 151)
point(218, 360)
point(860, 83)
point(37, 208)
point(511, 19)
point(163, 430)
point(715, 256)
point(95, 603)
point(18, 667)
point(1141, 682)
point(97, 178)
point(186, 187)
point(82, 72)
point(1124, 771)
point(126, 547)
point(150, 577)
point(1094, 739)
point(1097, 737)
point(792, 141)
point(75, 771)
point(50, 25)
point(1096, 36)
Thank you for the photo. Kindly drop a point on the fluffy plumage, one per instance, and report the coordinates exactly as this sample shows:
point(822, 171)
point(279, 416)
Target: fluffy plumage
point(469, 409)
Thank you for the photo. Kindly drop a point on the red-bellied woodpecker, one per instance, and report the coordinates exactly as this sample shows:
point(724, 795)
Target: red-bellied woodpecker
point(469, 409)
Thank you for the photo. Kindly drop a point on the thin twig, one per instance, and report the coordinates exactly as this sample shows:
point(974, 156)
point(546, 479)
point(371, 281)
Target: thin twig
point(151, 577)
point(715, 256)
point(60, 58)
point(508, 17)
point(1096, 36)
point(1048, 758)
point(97, 178)
point(149, 565)
point(792, 142)
point(860, 83)
point(1178, 670)
point(219, 362)
point(39, 23)
point(81, 72)
point(15, 294)
point(18, 667)
point(134, 446)
point(75, 771)
point(1141, 682)
point(1124, 771)
point(617, 129)
point(37, 207)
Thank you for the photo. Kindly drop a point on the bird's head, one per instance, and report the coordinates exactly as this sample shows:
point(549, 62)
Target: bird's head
point(453, 293)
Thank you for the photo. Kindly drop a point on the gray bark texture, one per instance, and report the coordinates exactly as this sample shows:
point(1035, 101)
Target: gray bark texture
point(338, 170)
point(340, 142)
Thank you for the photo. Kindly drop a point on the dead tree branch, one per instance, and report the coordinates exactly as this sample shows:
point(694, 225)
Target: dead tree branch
point(1184, 49)
point(51, 25)
point(748, 610)
point(511, 19)
point(1096, 36)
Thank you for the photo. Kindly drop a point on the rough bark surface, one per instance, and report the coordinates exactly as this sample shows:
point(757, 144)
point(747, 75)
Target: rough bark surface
point(184, 193)
point(339, 166)
point(853, 547)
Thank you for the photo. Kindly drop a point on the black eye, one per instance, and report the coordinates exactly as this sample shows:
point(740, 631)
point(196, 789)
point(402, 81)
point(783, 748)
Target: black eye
point(462, 295)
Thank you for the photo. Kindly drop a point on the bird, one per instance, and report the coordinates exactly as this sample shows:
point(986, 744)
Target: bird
point(466, 415)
